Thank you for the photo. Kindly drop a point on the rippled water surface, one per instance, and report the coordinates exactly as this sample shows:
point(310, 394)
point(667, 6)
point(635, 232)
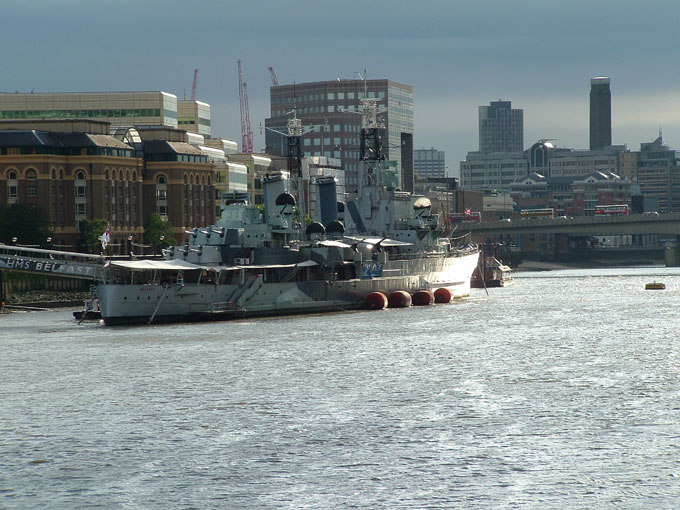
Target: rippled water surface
point(561, 391)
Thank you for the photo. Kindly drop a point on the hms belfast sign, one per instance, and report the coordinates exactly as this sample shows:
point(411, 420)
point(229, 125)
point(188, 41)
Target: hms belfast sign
point(54, 267)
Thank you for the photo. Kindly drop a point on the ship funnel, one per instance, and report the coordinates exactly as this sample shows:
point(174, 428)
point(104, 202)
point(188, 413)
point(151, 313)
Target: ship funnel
point(326, 200)
point(273, 184)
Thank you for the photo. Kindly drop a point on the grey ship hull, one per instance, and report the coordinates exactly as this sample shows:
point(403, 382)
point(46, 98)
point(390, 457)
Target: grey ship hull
point(173, 302)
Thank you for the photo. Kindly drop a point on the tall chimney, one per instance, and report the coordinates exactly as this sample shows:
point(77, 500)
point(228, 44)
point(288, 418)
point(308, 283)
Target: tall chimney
point(600, 113)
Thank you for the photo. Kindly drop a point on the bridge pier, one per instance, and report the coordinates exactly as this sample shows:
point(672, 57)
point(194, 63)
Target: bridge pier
point(672, 253)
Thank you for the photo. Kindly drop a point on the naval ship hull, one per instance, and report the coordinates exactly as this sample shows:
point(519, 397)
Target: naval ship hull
point(180, 301)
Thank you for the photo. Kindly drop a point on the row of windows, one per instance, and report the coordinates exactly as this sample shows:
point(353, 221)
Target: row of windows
point(67, 151)
point(332, 96)
point(330, 109)
point(186, 158)
point(70, 114)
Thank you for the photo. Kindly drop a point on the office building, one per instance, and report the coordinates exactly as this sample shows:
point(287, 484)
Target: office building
point(329, 111)
point(194, 116)
point(428, 163)
point(600, 113)
point(501, 128)
point(492, 171)
point(117, 108)
point(658, 175)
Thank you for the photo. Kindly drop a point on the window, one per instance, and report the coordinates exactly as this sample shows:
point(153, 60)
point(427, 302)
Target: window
point(31, 174)
point(80, 209)
point(12, 187)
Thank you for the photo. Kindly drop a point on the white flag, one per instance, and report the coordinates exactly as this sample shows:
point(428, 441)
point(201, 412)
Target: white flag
point(105, 238)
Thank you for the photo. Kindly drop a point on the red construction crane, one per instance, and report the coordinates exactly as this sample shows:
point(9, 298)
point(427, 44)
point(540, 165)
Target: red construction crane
point(193, 88)
point(246, 133)
point(275, 80)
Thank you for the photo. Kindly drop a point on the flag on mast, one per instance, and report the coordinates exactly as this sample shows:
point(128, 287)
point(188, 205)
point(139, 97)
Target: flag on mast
point(105, 238)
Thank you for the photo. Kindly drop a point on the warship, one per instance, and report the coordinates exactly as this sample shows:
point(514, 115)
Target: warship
point(377, 243)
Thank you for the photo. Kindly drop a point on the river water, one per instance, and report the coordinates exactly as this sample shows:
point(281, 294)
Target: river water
point(560, 391)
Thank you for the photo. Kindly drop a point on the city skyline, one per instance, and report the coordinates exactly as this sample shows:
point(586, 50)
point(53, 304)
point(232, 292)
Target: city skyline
point(455, 57)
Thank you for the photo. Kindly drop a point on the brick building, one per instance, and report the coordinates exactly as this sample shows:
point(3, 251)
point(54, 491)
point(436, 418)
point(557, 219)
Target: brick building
point(77, 170)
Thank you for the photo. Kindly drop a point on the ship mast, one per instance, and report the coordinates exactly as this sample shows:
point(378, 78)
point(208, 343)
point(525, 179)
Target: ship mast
point(295, 133)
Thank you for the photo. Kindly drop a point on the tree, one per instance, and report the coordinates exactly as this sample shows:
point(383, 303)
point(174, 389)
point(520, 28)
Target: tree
point(91, 231)
point(27, 223)
point(158, 233)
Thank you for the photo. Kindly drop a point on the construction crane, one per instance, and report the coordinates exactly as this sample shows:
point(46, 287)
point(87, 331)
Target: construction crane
point(275, 80)
point(193, 88)
point(246, 133)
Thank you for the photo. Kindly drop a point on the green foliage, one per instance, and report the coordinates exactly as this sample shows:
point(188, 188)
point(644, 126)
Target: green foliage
point(28, 223)
point(158, 233)
point(91, 230)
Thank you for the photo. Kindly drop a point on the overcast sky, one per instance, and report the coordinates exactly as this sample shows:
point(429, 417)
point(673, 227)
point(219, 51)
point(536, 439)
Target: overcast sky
point(457, 55)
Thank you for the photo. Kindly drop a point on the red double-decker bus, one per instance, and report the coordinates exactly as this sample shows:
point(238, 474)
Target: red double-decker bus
point(611, 210)
point(466, 217)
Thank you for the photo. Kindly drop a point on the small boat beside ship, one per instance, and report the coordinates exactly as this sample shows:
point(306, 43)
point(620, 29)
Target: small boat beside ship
point(491, 272)
point(253, 263)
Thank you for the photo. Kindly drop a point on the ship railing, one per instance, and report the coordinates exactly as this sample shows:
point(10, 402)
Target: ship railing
point(419, 255)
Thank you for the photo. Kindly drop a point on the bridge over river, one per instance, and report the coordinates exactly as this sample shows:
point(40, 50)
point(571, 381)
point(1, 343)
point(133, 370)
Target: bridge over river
point(570, 238)
point(584, 225)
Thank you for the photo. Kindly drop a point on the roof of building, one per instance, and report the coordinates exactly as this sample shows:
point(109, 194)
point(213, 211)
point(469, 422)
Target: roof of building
point(164, 147)
point(33, 138)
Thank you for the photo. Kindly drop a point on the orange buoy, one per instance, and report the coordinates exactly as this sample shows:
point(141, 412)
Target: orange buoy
point(399, 299)
point(443, 295)
point(423, 298)
point(376, 301)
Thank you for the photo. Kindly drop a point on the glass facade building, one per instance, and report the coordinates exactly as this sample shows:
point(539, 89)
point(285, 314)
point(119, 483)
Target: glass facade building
point(331, 121)
point(119, 108)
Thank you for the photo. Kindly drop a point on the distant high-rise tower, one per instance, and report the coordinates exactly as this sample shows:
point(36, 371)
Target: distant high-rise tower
point(600, 113)
point(501, 129)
